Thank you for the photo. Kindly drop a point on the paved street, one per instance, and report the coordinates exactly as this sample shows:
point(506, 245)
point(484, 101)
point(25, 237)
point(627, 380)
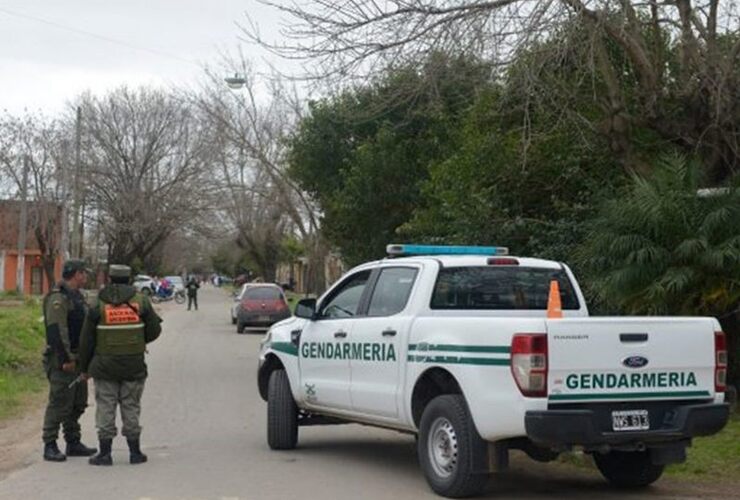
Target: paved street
point(204, 427)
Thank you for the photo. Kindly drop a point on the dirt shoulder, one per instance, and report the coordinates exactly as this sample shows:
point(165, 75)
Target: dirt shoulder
point(20, 435)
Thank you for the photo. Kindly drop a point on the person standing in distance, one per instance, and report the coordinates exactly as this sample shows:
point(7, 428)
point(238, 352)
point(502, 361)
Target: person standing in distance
point(192, 287)
point(64, 312)
point(112, 346)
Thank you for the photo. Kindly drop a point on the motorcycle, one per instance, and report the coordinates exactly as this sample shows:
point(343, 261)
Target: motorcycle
point(161, 296)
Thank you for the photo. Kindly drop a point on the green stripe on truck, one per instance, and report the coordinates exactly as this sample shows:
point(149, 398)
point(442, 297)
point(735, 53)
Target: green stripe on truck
point(461, 348)
point(629, 395)
point(286, 347)
point(455, 360)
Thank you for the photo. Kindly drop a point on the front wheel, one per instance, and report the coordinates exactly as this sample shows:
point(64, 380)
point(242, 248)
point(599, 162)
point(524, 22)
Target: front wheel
point(282, 413)
point(628, 469)
point(447, 443)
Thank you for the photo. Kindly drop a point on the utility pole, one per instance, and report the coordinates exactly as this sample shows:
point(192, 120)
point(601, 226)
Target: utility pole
point(20, 275)
point(76, 223)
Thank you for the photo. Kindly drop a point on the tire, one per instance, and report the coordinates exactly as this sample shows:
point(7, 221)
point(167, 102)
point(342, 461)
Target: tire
point(240, 327)
point(146, 291)
point(628, 469)
point(156, 299)
point(179, 298)
point(447, 443)
point(282, 413)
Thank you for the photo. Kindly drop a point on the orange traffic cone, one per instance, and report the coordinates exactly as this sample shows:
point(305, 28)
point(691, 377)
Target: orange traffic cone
point(554, 308)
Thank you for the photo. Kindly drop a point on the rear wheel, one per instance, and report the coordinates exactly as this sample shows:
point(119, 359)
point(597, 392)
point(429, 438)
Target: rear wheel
point(282, 413)
point(628, 469)
point(447, 443)
point(180, 297)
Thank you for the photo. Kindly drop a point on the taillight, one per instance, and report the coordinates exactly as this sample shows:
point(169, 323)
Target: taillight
point(502, 261)
point(529, 363)
point(720, 362)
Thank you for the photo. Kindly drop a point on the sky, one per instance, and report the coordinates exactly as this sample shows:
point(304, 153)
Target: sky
point(53, 50)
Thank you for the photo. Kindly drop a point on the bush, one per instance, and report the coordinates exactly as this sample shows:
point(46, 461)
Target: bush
point(665, 247)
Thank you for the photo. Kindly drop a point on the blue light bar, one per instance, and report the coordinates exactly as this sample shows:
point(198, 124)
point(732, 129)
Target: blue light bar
point(402, 250)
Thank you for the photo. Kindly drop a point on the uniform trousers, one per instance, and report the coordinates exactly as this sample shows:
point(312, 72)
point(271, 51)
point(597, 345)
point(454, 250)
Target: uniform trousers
point(110, 394)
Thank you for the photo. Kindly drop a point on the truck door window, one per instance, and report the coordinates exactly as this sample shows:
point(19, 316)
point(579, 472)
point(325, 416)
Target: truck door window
point(345, 301)
point(392, 291)
point(500, 288)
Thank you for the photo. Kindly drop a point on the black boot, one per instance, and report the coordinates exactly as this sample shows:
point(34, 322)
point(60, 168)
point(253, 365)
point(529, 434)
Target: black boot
point(136, 456)
point(52, 453)
point(77, 449)
point(103, 458)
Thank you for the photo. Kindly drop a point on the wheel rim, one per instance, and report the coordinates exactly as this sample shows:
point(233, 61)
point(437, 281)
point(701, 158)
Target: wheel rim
point(442, 447)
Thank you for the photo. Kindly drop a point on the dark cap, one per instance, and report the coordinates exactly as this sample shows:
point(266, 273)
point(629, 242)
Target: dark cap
point(72, 266)
point(119, 271)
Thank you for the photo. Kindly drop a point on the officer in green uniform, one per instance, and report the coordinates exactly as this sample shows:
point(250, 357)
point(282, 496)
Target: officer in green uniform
point(64, 313)
point(112, 347)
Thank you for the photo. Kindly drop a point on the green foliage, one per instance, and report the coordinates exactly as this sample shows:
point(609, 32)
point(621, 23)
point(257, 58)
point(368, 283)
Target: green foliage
point(661, 248)
point(230, 260)
point(504, 187)
point(21, 343)
point(364, 155)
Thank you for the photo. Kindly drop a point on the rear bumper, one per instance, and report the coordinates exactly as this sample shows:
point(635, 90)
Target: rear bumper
point(576, 427)
point(260, 320)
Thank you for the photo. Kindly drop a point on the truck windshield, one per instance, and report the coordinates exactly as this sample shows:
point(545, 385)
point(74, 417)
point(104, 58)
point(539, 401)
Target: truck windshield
point(498, 288)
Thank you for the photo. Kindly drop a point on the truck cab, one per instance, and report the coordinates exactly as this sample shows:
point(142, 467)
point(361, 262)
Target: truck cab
point(457, 345)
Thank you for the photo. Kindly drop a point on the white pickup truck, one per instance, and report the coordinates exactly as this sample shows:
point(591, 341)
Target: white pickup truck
point(453, 344)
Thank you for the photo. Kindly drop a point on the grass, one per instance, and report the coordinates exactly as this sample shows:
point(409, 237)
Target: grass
point(21, 343)
point(708, 459)
point(713, 457)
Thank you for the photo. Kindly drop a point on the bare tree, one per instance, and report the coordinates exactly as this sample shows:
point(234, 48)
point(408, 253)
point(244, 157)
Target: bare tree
point(42, 146)
point(248, 131)
point(146, 169)
point(682, 56)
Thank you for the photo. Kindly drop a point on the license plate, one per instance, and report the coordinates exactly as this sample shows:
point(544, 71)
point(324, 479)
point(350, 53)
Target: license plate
point(630, 420)
point(263, 318)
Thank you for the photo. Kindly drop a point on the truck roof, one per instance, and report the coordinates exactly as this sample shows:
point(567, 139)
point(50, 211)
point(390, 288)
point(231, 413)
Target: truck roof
point(465, 261)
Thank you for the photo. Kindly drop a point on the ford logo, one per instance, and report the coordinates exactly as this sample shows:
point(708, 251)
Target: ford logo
point(635, 362)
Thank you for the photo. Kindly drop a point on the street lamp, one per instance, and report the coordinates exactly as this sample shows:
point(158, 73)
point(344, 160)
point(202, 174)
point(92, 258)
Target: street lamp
point(235, 82)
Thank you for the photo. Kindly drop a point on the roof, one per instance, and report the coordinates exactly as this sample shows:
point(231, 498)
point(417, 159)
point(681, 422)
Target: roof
point(463, 261)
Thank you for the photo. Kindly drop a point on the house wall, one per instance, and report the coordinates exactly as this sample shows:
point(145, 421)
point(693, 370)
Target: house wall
point(32, 261)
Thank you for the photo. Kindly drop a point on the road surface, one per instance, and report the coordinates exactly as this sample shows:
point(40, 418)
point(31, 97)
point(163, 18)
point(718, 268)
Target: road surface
point(204, 432)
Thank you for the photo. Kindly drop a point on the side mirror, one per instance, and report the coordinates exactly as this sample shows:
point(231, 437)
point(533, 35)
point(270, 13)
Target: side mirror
point(306, 308)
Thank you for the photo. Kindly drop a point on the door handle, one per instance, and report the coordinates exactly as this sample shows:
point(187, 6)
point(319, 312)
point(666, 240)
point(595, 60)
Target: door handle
point(340, 334)
point(388, 332)
point(633, 337)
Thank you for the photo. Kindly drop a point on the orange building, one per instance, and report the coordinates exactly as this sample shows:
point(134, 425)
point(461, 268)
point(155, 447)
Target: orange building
point(35, 281)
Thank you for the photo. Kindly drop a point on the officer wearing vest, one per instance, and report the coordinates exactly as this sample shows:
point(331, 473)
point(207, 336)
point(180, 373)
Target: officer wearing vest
point(112, 347)
point(64, 312)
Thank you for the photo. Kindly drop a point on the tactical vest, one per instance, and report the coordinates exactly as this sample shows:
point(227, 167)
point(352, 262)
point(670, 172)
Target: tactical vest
point(120, 330)
point(75, 314)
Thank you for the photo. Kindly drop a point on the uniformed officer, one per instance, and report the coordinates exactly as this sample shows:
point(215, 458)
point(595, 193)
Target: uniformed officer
point(112, 347)
point(64, 313)
point(192, 287)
